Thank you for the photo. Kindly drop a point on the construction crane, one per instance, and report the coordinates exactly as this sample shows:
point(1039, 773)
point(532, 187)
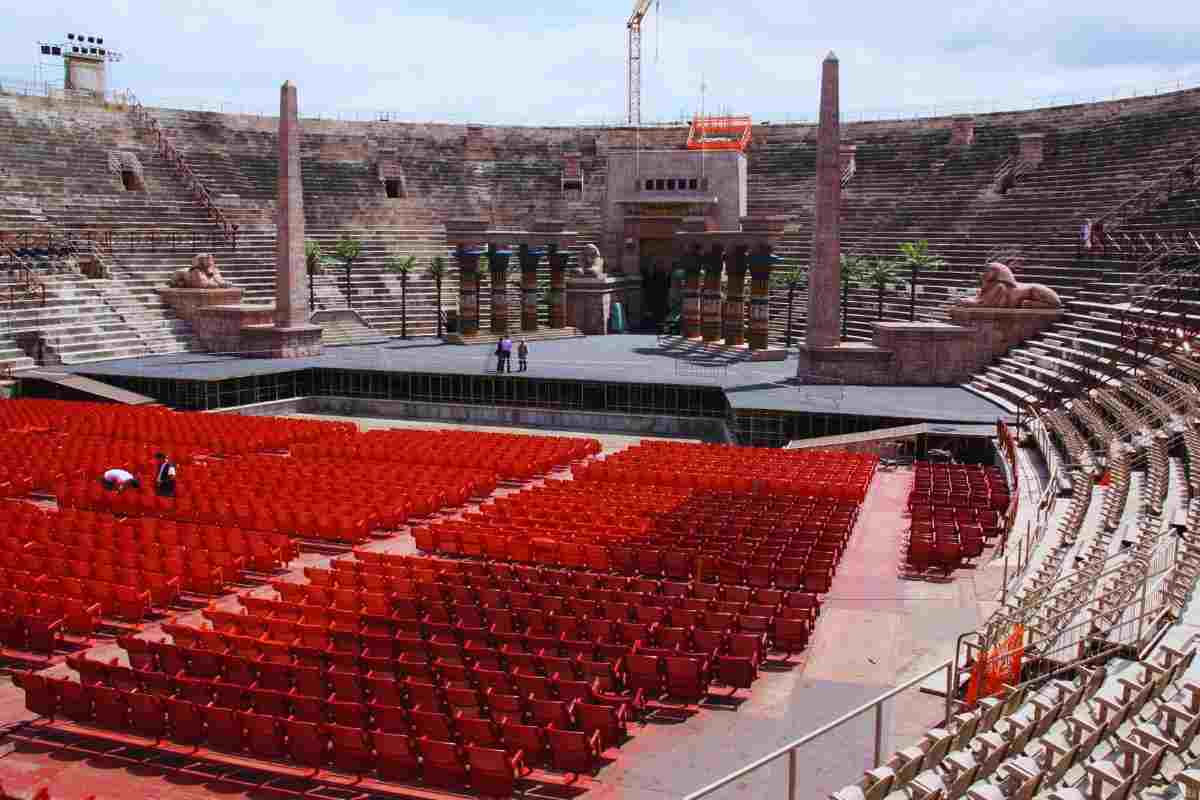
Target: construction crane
point(633, 95)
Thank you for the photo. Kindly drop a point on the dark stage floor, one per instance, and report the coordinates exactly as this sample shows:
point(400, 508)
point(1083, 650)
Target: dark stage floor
point(618, 359)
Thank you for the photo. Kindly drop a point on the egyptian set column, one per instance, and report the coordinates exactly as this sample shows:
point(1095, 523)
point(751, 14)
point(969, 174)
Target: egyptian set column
point(468, 289)
point(558, 284)
point(734, 322)
point(498, 269)
point(691, 294)
point(762, 260)
point(710, 297)
point(529, 258)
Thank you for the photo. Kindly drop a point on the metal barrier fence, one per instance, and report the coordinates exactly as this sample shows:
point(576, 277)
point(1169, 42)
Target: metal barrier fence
point(698, 368)
point(791, 749)
point(118, 240)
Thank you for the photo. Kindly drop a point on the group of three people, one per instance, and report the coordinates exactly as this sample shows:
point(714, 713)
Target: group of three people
point(504, 355)
point(118, 480)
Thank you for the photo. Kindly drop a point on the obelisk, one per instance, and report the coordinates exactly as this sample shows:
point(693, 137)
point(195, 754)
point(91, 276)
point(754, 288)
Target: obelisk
point(824, 271)
point(291, 296)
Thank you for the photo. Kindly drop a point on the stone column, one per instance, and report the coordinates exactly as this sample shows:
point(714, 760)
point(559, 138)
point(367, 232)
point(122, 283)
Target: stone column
point(733, 328)
point(529, 257)
point(824, 271)
point(690, 316)
point(498, 270)
point(468, 289)
point(558, 285)
point(291, 291)
point(761, 262)
point(710, 298)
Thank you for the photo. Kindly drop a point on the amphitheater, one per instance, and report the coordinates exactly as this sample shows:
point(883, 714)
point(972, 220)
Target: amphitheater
point(658, 564)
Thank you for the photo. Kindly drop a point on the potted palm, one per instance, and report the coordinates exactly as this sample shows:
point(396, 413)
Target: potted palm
point(402, 267)
point(437, 270)
point(879, 274)
point(791, 277)
point(853, 267)
point(916, 257)
point(347, 251)
point(314, 262)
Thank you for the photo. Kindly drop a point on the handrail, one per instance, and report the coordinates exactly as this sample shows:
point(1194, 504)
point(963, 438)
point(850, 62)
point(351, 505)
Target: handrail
point(168, 150)
point(790, 749)
point(1151, 193)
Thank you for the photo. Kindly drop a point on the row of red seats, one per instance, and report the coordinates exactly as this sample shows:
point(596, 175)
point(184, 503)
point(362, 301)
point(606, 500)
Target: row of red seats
point(390, 756)
point(508, 455)
point(447, 583)
point(35, 622)
point(163, 577)
point(47, 458)
point(79, 603)
point(579, 627)
point(751, 470)
point(224, 434)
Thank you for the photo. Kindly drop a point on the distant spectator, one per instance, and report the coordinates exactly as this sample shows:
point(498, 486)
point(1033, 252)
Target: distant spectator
point(506, 351)
point(118, 480)
point(164, 478)
point(500, 355)
point(1098, 237)
point(522, 357)
point(1085, 236)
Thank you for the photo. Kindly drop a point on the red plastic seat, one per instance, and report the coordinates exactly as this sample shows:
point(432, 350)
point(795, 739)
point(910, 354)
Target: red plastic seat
point(493, 771)
point(444, 764)
point(573, 751)
point(351, 749)
point(397, 757)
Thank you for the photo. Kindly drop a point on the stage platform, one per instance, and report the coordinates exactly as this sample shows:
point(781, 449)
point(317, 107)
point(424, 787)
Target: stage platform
point(628, 374)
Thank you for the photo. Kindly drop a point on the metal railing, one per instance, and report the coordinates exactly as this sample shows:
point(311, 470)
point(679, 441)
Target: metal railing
point(116, 240)
point(701, 368)
point(947, 108)
point(791, 749)
point(166, 147)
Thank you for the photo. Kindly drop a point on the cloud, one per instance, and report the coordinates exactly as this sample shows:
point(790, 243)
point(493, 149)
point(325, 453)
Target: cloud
point(565, 62)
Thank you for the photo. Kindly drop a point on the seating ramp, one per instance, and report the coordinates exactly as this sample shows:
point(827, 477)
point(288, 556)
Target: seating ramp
point(66, 385)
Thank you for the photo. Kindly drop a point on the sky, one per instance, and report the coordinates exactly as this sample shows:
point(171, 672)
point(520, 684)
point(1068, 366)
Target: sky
point(564, 63)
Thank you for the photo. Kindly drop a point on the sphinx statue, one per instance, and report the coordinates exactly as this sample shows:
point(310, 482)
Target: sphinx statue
point(591, 263)
point(202, 274)
point(1000, 289)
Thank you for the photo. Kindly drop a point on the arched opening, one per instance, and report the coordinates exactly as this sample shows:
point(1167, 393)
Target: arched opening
point(132, 181)
point(393, 188)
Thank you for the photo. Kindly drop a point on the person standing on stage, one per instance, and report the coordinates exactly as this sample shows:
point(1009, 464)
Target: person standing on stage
point(522, 357)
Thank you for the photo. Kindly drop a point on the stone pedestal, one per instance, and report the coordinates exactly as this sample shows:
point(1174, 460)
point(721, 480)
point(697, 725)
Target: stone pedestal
point(187, 301)
point(590, 299)
point(278, 341)
point(997, 330)
point(710, 297)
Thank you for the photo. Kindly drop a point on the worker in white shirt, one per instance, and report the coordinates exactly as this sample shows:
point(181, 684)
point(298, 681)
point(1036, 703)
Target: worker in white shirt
point(118, 480)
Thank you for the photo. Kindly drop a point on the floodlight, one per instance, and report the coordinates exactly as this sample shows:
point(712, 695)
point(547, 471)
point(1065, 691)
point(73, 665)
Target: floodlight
point(56, 51)
point(45, 49)
point(71, 36)
point(91, 40)
point(99, 40)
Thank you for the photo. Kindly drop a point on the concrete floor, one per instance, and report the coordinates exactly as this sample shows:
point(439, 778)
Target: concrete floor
point(875, 631)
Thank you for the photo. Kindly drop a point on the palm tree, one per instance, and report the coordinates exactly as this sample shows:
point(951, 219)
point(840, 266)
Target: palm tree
point(347, 251)
point(879, 274)
point(853, 268)
point(791, 277)
point(916, 256)
point(437, 270)
point(402, 267)
point(315, 261)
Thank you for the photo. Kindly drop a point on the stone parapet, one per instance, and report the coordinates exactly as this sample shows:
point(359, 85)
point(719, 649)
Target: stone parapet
point(219, 328)
point(926, 353)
